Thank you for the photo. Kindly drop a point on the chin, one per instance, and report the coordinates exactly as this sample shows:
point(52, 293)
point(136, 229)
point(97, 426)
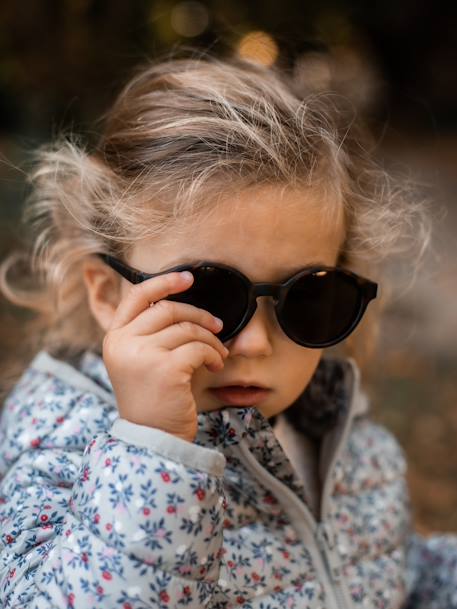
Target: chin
point(267, 412)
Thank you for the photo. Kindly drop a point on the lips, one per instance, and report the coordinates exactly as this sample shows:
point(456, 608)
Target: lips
point(250, 384)
point(238, 395)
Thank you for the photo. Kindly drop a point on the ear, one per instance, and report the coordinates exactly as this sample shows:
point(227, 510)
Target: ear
point(104, 290)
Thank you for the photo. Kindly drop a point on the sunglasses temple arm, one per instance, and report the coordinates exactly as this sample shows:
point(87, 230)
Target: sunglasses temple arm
point(123, 269)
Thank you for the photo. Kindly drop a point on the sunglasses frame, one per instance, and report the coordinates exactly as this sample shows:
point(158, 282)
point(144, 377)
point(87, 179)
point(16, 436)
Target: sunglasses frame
point(368, 291)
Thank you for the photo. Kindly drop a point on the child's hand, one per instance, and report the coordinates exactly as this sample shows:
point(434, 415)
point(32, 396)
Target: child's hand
point(151, 352)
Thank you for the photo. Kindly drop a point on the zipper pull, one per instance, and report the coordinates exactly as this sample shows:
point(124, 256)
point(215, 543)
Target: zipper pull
point(326, 540)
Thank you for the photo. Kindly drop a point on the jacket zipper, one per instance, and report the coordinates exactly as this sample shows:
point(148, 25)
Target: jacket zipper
point(331, 562)
point(320, 543)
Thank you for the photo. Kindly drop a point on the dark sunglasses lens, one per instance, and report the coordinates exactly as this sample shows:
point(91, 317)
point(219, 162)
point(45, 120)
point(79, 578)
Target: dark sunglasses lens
point(218, 291)
point(322, 306)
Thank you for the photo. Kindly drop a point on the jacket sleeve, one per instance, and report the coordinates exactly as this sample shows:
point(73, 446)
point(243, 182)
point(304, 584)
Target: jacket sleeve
point(432, 567)
point(140, 526)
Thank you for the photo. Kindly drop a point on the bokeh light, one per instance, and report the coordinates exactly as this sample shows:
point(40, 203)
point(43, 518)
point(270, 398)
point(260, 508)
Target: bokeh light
point(258, 47)
point(189, 18)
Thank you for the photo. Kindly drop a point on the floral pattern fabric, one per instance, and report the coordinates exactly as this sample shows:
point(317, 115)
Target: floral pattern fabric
point(99, 513)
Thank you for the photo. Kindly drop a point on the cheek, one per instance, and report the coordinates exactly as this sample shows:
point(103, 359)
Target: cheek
point(291, 380)
point(301, 365)
point(302, 362)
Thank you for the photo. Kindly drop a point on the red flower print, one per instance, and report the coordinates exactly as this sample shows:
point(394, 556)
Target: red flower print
point(100, 590)
point(126, 606)
point(59, 419)
point(71, 598)
point(186, 590)
point(84, 557)
point(107, 575)
point(108, 526)
point(97, 518)
point(35, 442)
point(240, 600)
point(200, 494)
point(43, 517)
point(107, 461)
point(171, 509)
point(231, 564)
point(231, 432)
point(146, 511)
point(9, 539)
point(286, 554)
point(269, 499)
point(11, 573)
point(255, 577)
point(164, 596)
point(165, 476)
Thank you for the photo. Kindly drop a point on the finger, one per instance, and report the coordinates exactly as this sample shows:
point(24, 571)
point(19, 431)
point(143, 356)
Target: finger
point(167, 312)
point(186, 331)
point(192, 355)
point(141, 295)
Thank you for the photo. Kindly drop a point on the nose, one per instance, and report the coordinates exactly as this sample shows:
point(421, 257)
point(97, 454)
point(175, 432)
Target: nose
point(255, 338)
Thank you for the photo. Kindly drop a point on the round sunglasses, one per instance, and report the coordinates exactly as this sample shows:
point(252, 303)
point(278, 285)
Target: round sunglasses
point(316, 307)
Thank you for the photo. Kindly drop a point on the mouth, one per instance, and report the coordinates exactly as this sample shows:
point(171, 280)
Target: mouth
point(240, 395)
point(246, 384)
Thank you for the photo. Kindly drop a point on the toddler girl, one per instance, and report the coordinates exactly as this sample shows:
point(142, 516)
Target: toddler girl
point(153, 455)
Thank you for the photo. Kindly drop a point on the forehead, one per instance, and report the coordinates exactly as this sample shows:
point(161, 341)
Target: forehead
point(265, 232)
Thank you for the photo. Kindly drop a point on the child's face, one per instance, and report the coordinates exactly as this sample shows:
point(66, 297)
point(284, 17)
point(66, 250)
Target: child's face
point(265, 238)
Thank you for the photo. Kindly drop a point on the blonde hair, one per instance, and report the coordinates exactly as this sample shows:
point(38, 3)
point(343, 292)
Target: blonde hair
point(180, 130)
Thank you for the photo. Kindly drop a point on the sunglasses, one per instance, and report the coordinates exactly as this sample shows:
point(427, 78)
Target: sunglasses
point(316, 307)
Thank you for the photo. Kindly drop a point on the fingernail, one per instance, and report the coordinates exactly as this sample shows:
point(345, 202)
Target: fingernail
point(186, 275)
point(219, 322)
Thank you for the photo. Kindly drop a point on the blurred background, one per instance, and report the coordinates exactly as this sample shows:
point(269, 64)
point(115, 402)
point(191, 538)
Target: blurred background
point(62, 62)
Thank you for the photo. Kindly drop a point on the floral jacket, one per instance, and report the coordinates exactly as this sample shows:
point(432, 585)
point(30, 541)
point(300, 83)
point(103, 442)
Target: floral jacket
point(97, 512)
